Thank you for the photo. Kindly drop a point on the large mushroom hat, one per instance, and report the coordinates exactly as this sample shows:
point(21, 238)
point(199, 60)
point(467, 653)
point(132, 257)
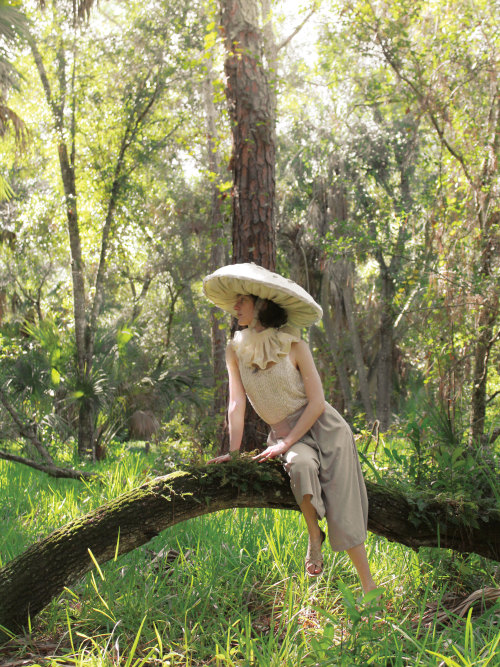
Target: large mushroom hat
point(224, 286)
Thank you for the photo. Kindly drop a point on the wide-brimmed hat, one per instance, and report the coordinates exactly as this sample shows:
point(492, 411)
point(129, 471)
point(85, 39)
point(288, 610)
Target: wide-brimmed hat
point(223, 286)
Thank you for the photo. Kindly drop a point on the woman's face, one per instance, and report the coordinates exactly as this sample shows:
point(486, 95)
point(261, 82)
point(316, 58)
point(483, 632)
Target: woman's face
point(244, 308)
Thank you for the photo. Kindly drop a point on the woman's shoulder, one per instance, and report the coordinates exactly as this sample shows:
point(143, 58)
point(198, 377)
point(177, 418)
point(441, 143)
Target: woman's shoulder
point(230, 351)
point(299, 351)
point(300, 346)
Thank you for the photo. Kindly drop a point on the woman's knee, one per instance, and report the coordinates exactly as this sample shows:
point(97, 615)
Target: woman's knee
point(301, 464)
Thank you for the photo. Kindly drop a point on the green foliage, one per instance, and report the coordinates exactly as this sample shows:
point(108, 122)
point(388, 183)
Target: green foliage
point(429, 459)
point(365, 180)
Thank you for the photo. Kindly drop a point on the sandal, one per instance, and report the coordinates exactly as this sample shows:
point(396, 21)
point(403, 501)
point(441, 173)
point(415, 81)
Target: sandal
point(314, 557)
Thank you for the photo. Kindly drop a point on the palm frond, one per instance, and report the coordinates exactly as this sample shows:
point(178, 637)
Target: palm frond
point(6, 192)
point(13, 23)
point(9, 117)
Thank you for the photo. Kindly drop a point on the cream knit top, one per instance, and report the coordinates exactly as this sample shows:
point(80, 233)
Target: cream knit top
point(276, 392)
point(272, 383)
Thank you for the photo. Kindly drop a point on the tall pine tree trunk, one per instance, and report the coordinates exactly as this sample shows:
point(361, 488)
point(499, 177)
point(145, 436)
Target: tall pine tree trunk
point(252, 114)
point(252, 118)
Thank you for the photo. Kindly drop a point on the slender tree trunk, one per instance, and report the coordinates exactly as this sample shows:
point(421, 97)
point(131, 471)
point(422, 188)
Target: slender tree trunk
point(384, 368)
point(218, 257)
point(79, 291)
point(333, 337)
point(86, 428)
point(486, 338)
point(67, 167)
point(489, 221)
point(194, 321)
point(349, 301)
point(29, 582)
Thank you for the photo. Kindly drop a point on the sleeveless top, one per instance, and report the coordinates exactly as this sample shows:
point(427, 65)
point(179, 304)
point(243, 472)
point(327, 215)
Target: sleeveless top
point(272, 383)
point(275, 392)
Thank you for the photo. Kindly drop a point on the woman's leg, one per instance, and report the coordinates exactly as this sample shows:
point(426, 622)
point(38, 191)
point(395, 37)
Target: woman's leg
point(302, 464)
point(311, 517)
point(357, 554)
point(360, 561)
point(314, 559)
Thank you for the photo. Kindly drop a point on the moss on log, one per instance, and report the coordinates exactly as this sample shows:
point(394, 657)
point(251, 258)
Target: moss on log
point(30, 581)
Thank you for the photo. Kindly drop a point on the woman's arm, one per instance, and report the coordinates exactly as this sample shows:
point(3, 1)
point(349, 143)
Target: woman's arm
point(237, 405)
point(302, 357)
point(237, 401)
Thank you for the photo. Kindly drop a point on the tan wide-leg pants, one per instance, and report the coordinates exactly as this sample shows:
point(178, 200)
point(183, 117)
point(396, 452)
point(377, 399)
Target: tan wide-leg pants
point(325, 464)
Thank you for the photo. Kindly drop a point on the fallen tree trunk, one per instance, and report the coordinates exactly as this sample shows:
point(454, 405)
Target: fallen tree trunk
point(30, 581)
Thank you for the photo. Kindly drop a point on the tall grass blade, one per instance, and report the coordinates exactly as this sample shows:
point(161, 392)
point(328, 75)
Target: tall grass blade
point(134, 645)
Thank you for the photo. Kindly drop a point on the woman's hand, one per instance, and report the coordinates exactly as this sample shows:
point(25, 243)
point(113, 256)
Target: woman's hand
point(220, 459)
point(273, 451)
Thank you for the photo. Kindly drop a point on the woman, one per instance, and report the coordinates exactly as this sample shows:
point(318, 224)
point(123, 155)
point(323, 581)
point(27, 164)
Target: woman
point(268, 362)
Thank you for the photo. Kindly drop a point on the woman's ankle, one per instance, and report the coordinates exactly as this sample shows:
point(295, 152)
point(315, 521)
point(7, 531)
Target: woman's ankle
point(314, 533)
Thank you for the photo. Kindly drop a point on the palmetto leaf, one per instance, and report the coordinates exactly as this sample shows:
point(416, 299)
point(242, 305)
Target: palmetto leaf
point(9, 117)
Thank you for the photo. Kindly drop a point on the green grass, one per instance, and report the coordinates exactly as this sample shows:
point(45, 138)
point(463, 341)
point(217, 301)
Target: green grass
point(237, 593)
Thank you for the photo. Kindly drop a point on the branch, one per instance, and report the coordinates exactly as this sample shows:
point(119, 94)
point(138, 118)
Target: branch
point(423, 100)
point(490, 439)
point(492, 397)
point(45, 83)
point(296, 31)
point(138, 302)
point(25, 431)
point(52, 470)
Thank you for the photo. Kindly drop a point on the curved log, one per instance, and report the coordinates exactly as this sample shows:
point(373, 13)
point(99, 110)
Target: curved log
point(30, 581)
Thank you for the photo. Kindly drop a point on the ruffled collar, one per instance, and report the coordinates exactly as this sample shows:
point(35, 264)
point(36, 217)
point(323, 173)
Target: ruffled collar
point(259, 349)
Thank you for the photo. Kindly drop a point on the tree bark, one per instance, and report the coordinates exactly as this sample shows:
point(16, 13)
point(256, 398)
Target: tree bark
point(30, 581)
point(384, 366)
point(349, 305)
point(252, 115)
point(333, 337)
point(49, 468)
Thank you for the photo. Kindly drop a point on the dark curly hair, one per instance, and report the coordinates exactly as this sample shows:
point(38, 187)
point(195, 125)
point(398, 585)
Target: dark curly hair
point(271, 314)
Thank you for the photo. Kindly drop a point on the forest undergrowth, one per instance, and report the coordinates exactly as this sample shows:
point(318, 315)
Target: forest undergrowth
point(230, 589)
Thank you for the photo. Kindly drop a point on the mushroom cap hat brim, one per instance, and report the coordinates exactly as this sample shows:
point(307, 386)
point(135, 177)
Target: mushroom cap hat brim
point(224, 285)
